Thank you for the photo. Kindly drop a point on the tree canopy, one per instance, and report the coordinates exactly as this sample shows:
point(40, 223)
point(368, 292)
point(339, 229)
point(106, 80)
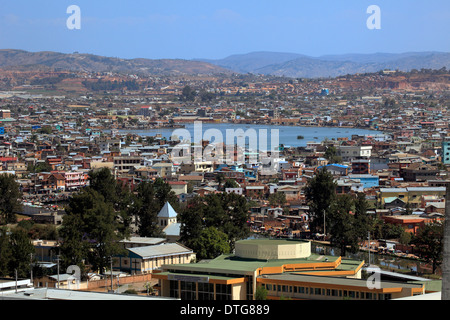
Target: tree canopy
point(90, 230)
point(226, 212)
point(320, 193)
point(16, 252)
point(429, 242)
point(10, 198)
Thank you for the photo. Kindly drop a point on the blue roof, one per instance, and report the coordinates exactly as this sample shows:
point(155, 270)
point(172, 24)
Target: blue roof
point(334, 165)
point(337, 165)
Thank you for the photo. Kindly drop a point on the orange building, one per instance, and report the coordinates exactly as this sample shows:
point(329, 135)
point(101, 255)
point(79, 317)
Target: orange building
point(284, 268)
point(410, 223)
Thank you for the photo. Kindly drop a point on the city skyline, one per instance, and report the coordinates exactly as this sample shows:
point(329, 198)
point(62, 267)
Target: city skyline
point(215, 30)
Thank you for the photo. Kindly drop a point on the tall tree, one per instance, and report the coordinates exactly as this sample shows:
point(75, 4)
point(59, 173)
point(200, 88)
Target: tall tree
point(149, 200)
point(10, 199)
point(320, 193)
point(237, 214)
point(363, 221)
point(5, 252)
point(73, 248)
point(117, 193)
point(227, 212)
point(93, 219)
point(429, 241)
point(103, 181)
point(343, 229)
point(164, 193)
point(145, 209)
point(210, 244)
point(123, 208)
point(192, 221)
point(21, 249)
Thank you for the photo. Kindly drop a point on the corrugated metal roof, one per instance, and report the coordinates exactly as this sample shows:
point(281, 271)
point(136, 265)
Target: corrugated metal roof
point(173, 229)
point(160, 250)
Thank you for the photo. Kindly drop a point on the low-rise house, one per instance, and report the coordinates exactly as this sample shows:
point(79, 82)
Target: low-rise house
point(292, 193)
point(146, 259)
point(178, 187)
point(410, 223)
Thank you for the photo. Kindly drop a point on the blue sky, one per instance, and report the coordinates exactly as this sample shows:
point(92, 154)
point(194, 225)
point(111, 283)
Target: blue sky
point(215, 29)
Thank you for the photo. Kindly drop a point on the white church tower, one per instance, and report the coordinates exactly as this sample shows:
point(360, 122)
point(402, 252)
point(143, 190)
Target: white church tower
point(167, 220)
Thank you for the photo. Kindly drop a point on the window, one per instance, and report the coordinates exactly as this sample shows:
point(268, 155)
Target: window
point(223, 292)
point(173, 292)
point(205, 291)
point(188, 290)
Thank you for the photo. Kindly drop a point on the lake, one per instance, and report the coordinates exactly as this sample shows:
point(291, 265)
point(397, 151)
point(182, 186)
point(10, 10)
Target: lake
point(287, 134)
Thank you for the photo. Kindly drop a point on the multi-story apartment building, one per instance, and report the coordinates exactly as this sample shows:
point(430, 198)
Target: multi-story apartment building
point(446, 152)
point(125, 163)
point(348, 153)
point(75, 180)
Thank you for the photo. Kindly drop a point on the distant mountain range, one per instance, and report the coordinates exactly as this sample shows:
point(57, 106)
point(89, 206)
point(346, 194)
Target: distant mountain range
point(94, 63)
point(302, 66)
point(268, 63)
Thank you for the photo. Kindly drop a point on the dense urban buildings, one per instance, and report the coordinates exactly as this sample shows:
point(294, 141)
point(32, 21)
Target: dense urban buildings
point(94, 163)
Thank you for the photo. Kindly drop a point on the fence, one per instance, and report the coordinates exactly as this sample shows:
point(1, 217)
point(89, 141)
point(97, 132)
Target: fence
point(94, 285)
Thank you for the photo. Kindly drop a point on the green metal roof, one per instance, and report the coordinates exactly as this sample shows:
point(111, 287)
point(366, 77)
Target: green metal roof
point(230, 264)
point(211, 277)
point(337, 280)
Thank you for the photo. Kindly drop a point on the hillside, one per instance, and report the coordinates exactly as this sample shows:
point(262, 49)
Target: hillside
point(93, 63)
point(301, 66)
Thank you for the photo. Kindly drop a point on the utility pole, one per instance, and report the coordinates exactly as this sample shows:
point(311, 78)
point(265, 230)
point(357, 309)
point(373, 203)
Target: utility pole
point(57, 259)
point(112, 288)
point(31, 267)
